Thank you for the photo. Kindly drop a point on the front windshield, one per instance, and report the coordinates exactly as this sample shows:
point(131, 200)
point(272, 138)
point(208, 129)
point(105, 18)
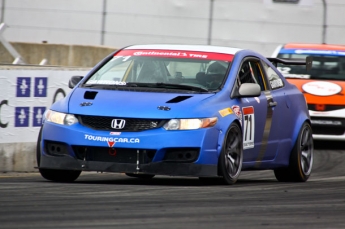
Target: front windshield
point(158, 67)
point(324, 67)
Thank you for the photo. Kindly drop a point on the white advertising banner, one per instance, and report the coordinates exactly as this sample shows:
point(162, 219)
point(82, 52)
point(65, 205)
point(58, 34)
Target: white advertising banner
point(25, 94)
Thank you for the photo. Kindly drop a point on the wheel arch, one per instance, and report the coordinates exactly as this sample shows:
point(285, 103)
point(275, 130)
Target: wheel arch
point(301, 119)
point(222, 138)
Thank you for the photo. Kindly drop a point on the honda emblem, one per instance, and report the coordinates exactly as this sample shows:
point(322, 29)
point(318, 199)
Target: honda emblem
point(118, 123)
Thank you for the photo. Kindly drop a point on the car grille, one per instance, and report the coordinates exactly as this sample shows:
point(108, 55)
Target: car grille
point(118, 155)
point(328, 130)
point(132, 124)
point(328, 126)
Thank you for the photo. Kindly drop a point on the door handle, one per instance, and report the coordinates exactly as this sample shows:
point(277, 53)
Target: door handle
point(272, 104)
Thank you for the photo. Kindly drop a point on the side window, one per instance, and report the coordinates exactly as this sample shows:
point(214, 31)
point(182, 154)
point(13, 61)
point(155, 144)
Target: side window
point(274, 80)
point(250, 72)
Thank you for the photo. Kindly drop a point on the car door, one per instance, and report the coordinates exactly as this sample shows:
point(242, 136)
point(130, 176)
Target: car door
point(257, 113)
point(281, 126)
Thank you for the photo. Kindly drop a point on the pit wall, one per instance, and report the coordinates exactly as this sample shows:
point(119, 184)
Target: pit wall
point(25, 93)
point(56, 54)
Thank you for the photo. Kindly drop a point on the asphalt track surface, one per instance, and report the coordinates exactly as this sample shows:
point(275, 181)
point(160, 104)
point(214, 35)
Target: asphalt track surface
point(103, 200)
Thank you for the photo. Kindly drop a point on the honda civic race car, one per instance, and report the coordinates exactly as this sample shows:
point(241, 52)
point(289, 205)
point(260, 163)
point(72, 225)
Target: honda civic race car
point(178, 110)
point(323, 86)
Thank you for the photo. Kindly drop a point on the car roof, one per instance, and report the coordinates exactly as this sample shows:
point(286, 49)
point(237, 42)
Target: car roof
point(314, 46)
point(196, 48)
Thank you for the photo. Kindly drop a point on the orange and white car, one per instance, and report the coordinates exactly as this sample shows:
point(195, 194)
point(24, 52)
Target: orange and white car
point(323, 86)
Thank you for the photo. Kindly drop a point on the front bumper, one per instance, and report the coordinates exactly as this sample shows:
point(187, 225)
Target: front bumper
point(159, 152)
point(156, 168)
point(328, 125)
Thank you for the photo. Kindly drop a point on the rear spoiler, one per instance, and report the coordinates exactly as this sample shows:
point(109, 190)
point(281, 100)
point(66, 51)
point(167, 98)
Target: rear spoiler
point(308, 61)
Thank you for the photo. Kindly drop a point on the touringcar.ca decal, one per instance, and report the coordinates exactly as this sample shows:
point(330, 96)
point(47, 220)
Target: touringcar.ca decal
point(248, 127)
point(111, 140)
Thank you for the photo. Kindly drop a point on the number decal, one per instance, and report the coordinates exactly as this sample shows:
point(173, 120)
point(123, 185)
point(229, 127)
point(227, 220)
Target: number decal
point(248, 127)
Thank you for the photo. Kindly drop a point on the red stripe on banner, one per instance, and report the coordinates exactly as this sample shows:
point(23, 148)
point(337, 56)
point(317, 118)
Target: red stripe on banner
point(177, 54)
point(248, 110)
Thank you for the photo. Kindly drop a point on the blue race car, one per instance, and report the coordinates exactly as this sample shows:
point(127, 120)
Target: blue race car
point(179, 110)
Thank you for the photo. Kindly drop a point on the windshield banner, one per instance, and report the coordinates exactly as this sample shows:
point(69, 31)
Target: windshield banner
point(176, 54)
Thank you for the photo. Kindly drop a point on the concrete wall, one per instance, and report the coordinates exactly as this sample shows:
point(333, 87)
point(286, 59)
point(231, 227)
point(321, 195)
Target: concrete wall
point(56, 54)
point(18, 157)
point(256, 24)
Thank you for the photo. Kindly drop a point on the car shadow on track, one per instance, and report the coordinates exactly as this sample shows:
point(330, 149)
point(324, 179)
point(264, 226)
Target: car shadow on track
point(121, 179)
point(173, 182)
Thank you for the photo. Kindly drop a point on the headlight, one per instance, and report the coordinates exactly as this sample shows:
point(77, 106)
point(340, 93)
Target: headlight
point(190, 124)
point(60, 118)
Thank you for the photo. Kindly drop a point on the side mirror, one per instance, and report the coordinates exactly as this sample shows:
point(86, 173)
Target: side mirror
point(74, 81)
point(249, 90)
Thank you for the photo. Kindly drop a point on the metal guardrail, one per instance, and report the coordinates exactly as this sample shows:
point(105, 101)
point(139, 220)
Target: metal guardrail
point(18, 59)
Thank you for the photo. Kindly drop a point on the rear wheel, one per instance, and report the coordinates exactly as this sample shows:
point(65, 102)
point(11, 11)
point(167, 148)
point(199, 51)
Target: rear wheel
point(54, 174)
point(230, 162)
point(301, 158)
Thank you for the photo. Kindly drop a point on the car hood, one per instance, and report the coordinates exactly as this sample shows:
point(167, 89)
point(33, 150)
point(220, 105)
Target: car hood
point(134, 104)
point(321, 91)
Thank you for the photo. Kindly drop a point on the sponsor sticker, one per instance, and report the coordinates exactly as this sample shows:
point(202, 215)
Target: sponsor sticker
point(237, 111)
point(276, 83)
point(321, 88)
point(107, 82)
point(176, 54)
point(226, 112)
point(111, 144)
point(115, 133)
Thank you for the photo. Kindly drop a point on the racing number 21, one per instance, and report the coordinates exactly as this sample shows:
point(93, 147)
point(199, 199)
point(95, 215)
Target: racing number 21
point(248, 127)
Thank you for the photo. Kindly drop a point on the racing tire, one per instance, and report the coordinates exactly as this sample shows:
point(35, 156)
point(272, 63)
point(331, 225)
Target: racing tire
point(38, 148)
point(141, 176)
point(54, 174)
point(60, 175)
point(301, 158)
point(231, 157)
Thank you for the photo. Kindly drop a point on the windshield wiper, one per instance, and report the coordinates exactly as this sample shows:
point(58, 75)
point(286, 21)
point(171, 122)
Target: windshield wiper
point(180, 86)
point(152, 85)
point(98, 85)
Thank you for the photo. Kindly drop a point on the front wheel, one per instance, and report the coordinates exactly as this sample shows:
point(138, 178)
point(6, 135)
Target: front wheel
point(301, 158)
point(60, 175)
point(230, 162)
point(53, 174)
